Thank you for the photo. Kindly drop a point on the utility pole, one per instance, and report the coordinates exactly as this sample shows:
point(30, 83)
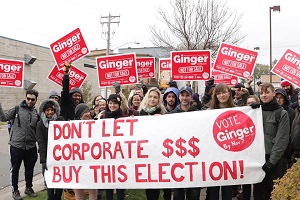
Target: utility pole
point(108, 20)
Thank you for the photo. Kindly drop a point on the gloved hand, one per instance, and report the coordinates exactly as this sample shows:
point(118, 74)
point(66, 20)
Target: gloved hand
point(267, 167)
point(210, 82)
point(117, 87)
point(44, 166)
point(255, 105)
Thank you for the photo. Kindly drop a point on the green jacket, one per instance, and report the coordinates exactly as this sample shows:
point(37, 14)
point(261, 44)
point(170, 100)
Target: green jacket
point(276, 134)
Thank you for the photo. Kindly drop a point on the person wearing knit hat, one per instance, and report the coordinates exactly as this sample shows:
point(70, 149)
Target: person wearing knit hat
point(291, 92)
point(54, 95)
point(82, 111)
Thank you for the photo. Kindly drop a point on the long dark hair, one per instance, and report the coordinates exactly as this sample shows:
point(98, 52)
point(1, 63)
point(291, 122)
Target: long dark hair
point(221, 87)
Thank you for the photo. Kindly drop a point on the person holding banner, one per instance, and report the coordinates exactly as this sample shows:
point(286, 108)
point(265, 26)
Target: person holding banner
point(221, 98)
point(185, 97)
point(276, 132)
point(152, 105)
point(113, 110)
point(170, 98)
point(134, 104)
point(49, 110)
point(82, 112)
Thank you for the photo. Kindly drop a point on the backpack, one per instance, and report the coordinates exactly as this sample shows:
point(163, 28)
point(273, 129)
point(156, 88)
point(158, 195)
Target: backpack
point(12, 121)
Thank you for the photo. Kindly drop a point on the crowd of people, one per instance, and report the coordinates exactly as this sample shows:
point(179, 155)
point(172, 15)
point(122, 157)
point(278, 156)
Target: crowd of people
point(280, 112)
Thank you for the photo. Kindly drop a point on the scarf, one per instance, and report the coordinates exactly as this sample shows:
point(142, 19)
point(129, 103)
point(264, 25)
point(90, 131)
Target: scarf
point(46, 121)
point(272, 105)
point(114, 114)
point(151, 111)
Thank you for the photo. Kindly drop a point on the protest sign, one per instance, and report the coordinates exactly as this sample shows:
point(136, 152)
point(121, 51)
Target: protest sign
point(11, 73)
point(190, 65)
point(145, 67)
point(288, 67)
point(69, 48)
point(235, 60)
point(221, 77)
point(164, 72)
point(76, 76)
point(165, 151)
point(117, 68)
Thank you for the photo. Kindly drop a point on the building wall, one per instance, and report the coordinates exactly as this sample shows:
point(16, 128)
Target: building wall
point(38, 71)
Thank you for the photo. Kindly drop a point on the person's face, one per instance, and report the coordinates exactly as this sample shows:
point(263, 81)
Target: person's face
point(139, 92)
point(185, 98)
point(113, 106)
point(153, 99)
point(102, 105)
point(49, 112)
point(223, 96)
point(76, 97)
point(30, 100)
point(287, 88)
point(86, 115)
point(238, 93)
point(266, 96)
point(136, 100)
point(98, 98)
point(55, 98)
point(280, 99)
point(171, 99)
point(251, 101)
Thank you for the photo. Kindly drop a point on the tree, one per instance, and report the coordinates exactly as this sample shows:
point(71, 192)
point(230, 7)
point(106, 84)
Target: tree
point(86, 91)
point(197, 25)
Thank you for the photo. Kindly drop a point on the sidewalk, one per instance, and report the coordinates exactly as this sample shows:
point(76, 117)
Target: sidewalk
point(38, 185)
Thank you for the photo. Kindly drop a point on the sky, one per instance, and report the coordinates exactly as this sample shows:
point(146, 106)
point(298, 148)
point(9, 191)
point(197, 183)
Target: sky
point(44, 22)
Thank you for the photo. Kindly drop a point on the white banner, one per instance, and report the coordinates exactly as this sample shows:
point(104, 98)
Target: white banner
point(192, 149)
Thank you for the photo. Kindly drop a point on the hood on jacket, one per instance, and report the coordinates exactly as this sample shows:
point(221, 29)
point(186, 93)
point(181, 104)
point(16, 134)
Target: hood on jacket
point(53, 93)
point(175, 91)
point(56, 105)
point(283, 92)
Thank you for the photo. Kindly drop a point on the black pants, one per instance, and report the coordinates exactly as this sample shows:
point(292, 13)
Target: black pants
point(153, 194)
point(212, 193)
point(187, 193)
point(29, 157)
point(262, 190)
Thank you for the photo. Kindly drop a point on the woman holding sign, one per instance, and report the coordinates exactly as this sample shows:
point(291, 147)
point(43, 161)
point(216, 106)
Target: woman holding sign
point(221, 98)
point(82, 112)
point(113, 110)
point(152, 104)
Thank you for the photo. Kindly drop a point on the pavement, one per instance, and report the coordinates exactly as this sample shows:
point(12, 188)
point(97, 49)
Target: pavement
point(38, 185)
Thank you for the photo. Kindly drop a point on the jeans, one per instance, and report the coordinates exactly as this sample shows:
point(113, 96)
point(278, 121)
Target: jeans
point(187, 193)
point(110, 194)
point(29, 157)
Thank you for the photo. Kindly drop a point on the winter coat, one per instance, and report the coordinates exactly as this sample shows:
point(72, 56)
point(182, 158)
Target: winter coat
point(66, 103)
point(42, 130)
point(22, 134)
point(179, 110)
point(276, 134)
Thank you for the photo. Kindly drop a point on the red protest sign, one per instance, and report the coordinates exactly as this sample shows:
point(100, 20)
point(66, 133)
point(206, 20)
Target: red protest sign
point(76, 76)
point(69, 48)
point(235, 60)
point(164, 72)
point(221, 77)
point(145, 67)
point(117, 68)
point(190, 65)
point(11, 73)
point(288, 67)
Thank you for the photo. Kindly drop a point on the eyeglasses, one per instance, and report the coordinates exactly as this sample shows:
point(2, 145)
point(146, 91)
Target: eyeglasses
point(30, 99)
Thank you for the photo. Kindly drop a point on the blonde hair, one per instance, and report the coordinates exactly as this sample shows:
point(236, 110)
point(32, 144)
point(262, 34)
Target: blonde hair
point(145, 100)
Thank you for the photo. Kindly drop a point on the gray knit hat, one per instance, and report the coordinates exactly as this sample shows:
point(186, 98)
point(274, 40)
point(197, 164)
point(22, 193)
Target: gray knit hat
point(80, 110)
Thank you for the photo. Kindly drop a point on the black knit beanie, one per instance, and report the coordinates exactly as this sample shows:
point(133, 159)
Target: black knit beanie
point(80, 110)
